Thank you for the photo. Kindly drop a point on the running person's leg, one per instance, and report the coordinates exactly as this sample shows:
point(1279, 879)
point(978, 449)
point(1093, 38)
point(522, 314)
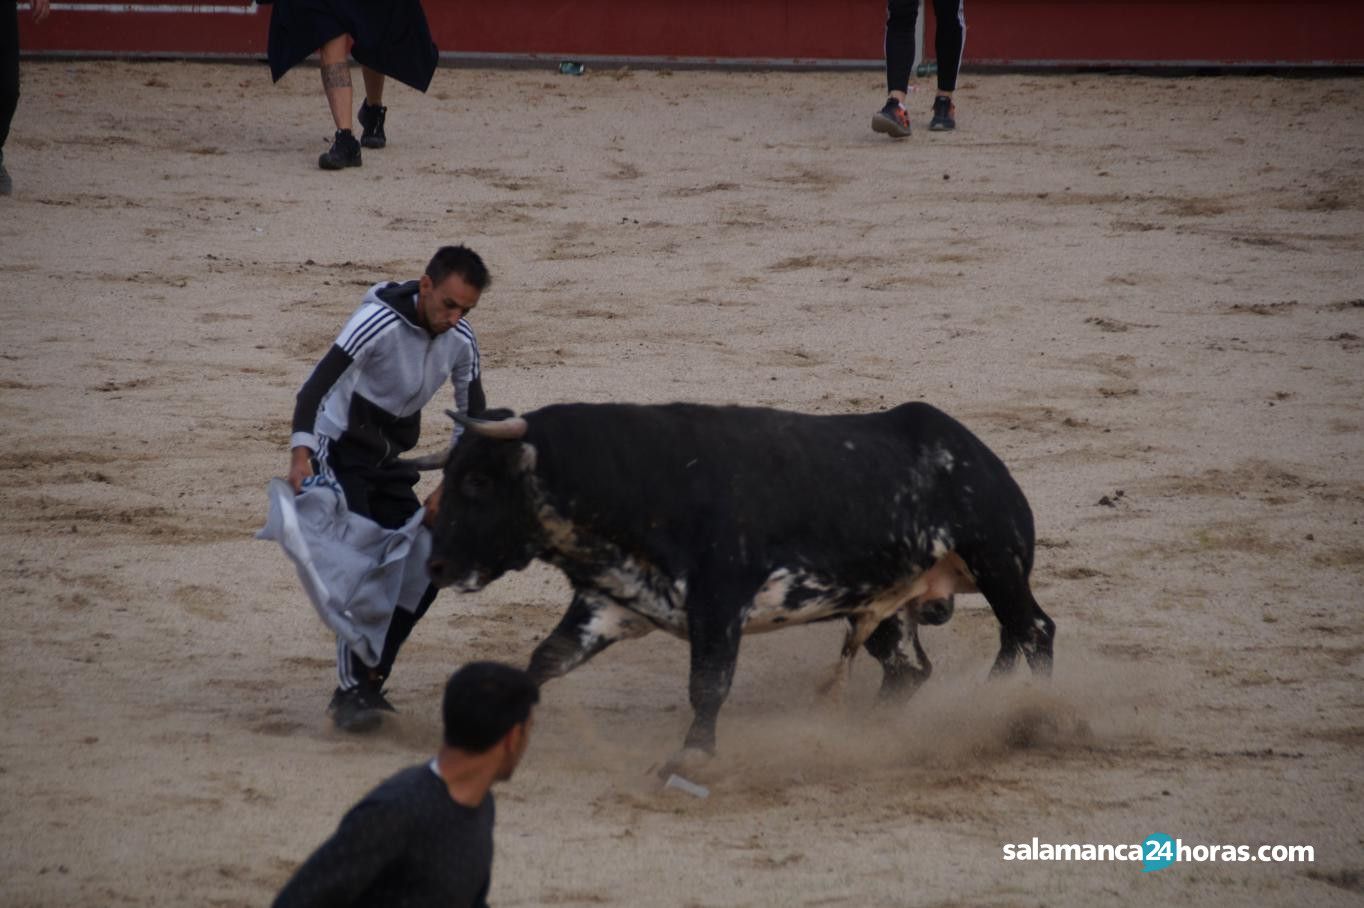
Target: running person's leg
point(372, 110)
point(390, 502)
point(398, 628)
point(949, 40)
point(9, 79)
point(388, 499)
point(901, 18)
point(358, 702)
point(335, 62)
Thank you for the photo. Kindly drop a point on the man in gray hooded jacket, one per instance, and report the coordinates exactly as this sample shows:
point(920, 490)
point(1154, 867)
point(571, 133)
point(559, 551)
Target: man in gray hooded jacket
point(361, 408)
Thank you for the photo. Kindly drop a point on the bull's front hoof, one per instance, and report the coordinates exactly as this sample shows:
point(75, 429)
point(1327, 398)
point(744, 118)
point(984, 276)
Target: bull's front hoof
point(686, 762)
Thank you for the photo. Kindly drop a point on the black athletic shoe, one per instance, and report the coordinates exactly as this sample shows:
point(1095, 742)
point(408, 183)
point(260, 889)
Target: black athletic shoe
point(345, 152)
point(372, 119)
point(359, 709)
point(944, 114)
point(892, 119)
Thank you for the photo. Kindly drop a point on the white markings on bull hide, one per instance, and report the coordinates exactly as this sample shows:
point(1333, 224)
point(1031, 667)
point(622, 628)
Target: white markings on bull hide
point(625, 587)
point(787, 598)
point(640, 589)
point(610, 621)
point(623, 581)
point(561, 534)
point(790, 597)
point(471, 582)
point(617, 578)
point(772, 593)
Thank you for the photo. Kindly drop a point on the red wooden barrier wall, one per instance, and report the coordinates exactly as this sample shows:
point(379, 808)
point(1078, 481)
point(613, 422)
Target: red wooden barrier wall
point(1000, 32)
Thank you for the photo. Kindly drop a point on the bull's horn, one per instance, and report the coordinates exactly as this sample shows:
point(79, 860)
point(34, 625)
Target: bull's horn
point(506, 429)
point(433, 461)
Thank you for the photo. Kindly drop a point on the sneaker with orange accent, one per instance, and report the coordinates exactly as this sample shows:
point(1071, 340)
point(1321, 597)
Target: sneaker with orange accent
point(892, 119)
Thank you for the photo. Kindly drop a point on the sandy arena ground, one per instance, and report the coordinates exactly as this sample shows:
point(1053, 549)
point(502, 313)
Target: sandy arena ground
point(1147, 294)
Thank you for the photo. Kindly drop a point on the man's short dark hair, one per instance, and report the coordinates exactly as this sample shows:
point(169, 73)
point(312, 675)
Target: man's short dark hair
point(483, 701)
point(459, 260)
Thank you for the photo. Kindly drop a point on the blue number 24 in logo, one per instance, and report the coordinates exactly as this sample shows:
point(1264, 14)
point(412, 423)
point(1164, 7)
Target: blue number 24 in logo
point(1157, 852)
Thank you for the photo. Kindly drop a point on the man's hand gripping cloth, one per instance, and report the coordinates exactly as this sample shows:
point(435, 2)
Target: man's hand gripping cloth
point(355, 571)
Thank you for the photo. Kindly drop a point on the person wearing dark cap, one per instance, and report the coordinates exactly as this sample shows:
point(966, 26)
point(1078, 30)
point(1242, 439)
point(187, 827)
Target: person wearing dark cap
point(425, 835)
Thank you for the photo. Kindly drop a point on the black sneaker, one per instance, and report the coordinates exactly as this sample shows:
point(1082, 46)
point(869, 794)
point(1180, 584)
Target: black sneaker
point(6, 184)
point(944, 114)
point(372, 119)
point(892, 119)
point(345, 152)
point(359, 709)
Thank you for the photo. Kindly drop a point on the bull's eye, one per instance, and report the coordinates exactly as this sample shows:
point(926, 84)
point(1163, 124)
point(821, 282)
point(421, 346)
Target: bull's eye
point(476, 486)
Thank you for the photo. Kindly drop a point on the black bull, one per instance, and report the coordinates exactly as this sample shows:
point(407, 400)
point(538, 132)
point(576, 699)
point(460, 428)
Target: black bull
point(710, 522)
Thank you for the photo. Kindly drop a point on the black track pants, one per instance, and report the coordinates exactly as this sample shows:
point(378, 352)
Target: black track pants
point(9, 65)
point(901, 17)
point(386, 497)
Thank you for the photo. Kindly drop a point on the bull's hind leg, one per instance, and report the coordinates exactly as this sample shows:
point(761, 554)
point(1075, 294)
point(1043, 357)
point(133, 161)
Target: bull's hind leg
point(895, 640)
point(904, 665)
point(1023, 626)
point(589, 626)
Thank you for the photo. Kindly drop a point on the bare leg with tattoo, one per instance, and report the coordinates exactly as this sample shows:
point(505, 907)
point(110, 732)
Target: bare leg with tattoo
point(345, 150)
point(336, 79)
